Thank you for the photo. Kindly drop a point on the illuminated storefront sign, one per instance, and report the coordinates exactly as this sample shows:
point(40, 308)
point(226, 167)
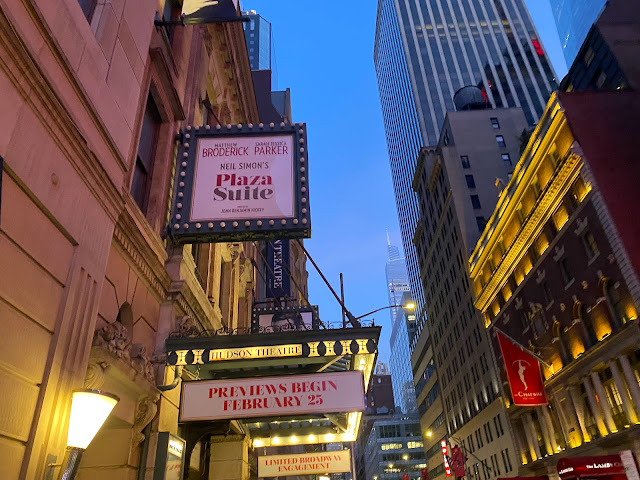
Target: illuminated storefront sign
point(338, 461)
point(241, 182)
point(272, 396)
point(610, 466)
point(445, 455)
point(326, 348)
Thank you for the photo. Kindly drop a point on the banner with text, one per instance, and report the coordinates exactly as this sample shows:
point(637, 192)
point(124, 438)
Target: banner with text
point(338, 461)
point(523, 373)
point(272, 396)
point(278, 284)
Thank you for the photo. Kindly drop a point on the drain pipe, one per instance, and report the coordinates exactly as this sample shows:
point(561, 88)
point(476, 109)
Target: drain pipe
point(172, 385)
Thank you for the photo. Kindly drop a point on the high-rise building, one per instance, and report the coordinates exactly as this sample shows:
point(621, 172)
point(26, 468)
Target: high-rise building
point(426, 51)
point(608, 57)
point(557, 270)
point(404, 391)
point(257, 32)
point(397, 283)
point(573, 20)
point(458, 183)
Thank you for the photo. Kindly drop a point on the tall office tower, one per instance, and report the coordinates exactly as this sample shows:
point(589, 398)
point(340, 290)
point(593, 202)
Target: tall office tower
point(426, 51)
point(257, 32)
point(404, 392)
point(397, 283)
point(573, 20)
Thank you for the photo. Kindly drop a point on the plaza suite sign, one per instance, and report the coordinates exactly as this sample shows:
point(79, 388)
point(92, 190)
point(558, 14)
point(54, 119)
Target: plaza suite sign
point(241, 182)
point(338, 461)
point(272, 396)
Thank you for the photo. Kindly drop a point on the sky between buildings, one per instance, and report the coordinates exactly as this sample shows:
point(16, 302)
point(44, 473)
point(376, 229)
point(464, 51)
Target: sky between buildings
point(324, 53)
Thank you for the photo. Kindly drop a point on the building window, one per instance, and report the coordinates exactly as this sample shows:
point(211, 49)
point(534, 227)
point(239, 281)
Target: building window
point(494, 123)
point(500, 140)
point(475, 201)
point(590, 245)
point(465, 161)
point(506, 159)
point(566, 274)
point(88, 6)
point(546, 293)
point(589, 55)
point(482, 223)
point(141, 183)
point(471, 183)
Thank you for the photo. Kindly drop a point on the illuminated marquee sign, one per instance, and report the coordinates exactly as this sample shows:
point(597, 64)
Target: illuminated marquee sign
point(272, 396)
point(325, 348)
point(241, 182)
point(338, 461)
point(445, 455)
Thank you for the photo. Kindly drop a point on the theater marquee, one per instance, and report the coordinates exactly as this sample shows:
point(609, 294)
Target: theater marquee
point(336, 392)
point(241, 182)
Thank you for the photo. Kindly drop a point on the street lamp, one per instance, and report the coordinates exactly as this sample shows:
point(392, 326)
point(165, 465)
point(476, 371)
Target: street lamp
point(89, 410)
point(354, 320)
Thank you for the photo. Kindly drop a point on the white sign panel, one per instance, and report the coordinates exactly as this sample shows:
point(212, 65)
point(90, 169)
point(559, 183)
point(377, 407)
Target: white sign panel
point(338, 461)
point(243, 177)
point(272, 396)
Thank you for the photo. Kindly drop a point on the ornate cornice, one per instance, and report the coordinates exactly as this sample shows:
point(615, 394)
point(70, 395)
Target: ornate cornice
point(533, 224)
point(142, 247)
point(24, 72)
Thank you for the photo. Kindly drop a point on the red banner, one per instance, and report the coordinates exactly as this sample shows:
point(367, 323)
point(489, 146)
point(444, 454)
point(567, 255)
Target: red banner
point(523, 372)
point(458, 461)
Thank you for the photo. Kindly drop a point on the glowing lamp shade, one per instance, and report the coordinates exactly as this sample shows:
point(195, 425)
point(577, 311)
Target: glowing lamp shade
point(89, 410)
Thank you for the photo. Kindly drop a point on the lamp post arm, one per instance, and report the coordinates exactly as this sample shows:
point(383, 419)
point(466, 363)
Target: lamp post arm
point(377, 310)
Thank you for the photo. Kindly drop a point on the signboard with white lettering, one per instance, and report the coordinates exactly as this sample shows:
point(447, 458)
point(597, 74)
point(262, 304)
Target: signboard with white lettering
point(278, 284)
point(272, 396)
point(241, 182)
point(338, 461)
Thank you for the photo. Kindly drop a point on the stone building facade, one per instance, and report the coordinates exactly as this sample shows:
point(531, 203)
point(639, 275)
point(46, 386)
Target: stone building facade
point(94, 96)
point(553, 271)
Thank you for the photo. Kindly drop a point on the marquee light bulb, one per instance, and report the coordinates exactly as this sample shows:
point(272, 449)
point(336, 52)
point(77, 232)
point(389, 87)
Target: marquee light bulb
point(258, 443)
point(329, 437)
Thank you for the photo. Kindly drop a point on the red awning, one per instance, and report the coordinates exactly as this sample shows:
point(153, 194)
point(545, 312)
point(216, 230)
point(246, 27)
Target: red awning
point(589, 467)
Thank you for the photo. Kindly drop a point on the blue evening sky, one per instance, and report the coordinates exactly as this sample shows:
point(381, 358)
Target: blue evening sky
point(324, 53)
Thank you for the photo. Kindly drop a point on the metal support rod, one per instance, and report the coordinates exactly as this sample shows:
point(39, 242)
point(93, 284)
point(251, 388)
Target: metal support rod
point(520, 346)
point(352, 320)
point(344, 319)
point(70, 464)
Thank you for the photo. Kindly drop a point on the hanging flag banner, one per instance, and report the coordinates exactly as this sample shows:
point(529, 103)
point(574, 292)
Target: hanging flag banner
point(278, 282)
point(258, 397)
point(458, 461)
point(208, 11)
point(523, 373)
point(241, 183)
point(338, 461)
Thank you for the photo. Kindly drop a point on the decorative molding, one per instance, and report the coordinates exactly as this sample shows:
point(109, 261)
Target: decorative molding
point(94, 378)
point(581, 225)
point(114, 338)
point(552, 195)
point(558, 253)
point(146, 409)
point(540, 275)
point(518, 303)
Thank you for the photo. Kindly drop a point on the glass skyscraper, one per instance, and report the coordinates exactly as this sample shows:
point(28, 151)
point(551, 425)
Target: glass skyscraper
point(397, 283)
point(574, 19)
point(400, 361)
point(257, 33)
point(424, 51)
